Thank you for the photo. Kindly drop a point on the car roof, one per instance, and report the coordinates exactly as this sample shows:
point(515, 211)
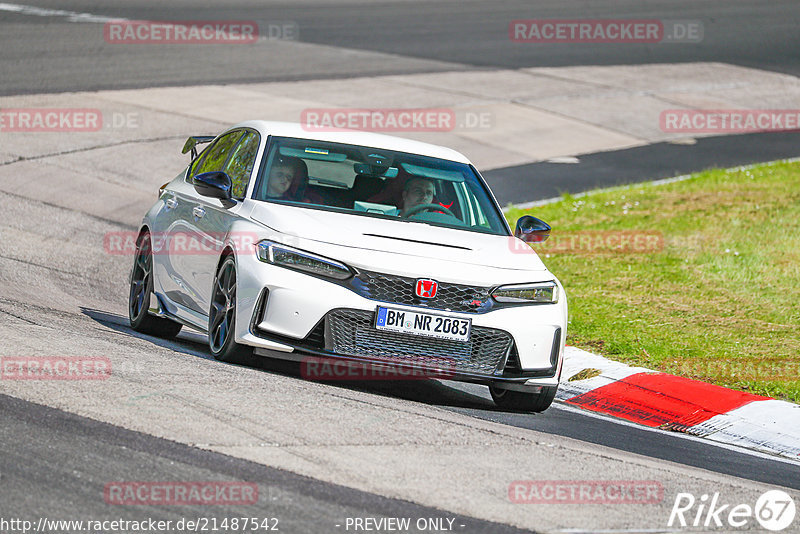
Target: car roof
point(353, 137)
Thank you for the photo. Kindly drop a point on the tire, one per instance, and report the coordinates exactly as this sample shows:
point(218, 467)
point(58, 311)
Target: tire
point(222, 318)
point(139, 296)
point(523, 402)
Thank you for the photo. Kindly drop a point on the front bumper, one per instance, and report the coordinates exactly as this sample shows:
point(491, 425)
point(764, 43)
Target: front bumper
point(292, 313)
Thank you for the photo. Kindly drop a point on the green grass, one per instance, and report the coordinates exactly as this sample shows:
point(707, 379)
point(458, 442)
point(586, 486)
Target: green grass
point(718, 300)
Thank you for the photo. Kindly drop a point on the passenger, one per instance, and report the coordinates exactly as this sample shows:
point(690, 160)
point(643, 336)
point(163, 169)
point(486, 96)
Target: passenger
point(288, 178)
point(416, 192)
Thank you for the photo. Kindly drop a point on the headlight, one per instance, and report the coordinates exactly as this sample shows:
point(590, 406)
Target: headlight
point(300, 260)
point(545, 293)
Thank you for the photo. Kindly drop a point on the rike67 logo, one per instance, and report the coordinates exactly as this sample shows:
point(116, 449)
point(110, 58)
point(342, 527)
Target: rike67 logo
point(774, 510)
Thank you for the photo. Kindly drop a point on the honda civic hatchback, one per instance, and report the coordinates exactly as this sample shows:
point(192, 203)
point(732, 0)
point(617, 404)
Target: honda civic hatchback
point(354, 248)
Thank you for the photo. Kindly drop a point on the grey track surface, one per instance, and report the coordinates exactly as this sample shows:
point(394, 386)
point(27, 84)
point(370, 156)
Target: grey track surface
point(569, 423)
point(49, 54)
point(475, 401)
point(64, 462)
point(543, 180)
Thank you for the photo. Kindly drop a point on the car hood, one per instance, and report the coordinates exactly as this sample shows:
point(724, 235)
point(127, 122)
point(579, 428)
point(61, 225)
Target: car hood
point(398, 237)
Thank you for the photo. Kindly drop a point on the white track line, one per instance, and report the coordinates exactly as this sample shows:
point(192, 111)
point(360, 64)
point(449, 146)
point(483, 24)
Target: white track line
point(71, 16)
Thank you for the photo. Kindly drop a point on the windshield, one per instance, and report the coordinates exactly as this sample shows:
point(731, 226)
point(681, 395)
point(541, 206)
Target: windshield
point(381, 183)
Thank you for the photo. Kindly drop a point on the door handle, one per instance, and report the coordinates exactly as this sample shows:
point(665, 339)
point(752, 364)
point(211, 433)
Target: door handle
point(198, 212)
point(171, 203)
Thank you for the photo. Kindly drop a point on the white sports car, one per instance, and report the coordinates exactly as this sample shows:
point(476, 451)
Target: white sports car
point(350, 247)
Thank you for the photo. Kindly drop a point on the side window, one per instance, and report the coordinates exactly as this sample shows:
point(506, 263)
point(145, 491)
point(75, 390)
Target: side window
point(240, 166)
point(194, 165)
point(218, 154)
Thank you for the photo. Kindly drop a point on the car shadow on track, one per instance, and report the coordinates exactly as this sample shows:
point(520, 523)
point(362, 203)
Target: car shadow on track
point(426, 391)
point(188, 341)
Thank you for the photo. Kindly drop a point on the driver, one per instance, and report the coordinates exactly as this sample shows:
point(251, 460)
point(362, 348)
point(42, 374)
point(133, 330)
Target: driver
point(416, 191)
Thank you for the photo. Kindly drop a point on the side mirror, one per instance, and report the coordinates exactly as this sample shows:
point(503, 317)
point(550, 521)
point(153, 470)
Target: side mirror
point(213, 184)
point(532, 230)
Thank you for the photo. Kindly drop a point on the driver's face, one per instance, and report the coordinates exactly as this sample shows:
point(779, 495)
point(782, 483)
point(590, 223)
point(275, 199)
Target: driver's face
point(418, 192)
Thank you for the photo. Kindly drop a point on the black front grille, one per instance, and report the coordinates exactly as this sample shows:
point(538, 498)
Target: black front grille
point(351, 332)
point(400, 290)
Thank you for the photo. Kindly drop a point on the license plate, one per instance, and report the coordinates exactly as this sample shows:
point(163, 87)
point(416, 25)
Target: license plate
point(423, 324)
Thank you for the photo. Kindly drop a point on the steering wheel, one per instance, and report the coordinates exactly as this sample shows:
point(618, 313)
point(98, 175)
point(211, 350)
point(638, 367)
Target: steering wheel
point(429, 207)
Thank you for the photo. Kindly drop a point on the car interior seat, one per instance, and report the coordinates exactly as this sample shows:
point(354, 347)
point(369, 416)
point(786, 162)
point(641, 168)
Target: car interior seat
point(297, 191)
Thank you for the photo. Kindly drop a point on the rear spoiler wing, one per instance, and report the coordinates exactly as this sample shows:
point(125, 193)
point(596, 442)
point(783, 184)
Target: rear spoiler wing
point(193, 141)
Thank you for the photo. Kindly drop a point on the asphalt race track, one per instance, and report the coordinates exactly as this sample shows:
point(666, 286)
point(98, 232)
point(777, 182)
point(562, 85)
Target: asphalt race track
point(319, 453)
point(52, 454)
point(626, 166)
point(410, 36)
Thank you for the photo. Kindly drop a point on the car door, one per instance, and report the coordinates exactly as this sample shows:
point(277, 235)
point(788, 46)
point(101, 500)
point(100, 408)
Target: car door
point(213, 218)
point(169, 231)
point(187, 253)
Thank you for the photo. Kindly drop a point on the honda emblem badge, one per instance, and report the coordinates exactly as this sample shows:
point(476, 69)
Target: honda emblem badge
point(426, 288)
